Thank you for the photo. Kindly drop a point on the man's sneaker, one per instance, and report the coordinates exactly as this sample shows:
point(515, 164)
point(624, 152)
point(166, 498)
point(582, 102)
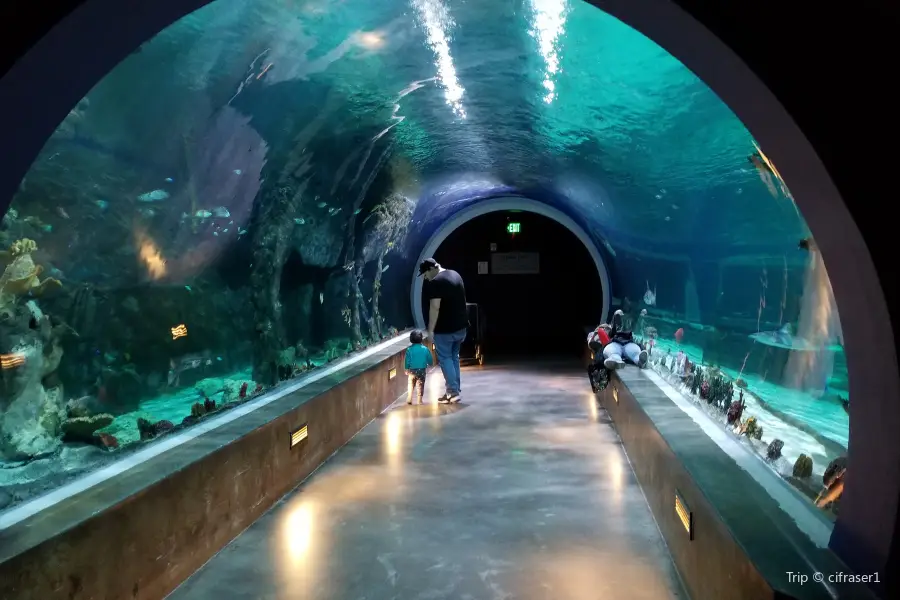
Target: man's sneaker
point(453, 398)
point(642, 359)
point(612, 363)
point(445, 399)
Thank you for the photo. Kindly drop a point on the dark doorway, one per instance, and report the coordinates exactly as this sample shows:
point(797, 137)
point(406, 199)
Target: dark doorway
point(541, 288)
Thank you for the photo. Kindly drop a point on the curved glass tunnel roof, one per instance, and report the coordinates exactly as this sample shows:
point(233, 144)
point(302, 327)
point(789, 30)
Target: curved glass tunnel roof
point(443, 102)
point(232, 197)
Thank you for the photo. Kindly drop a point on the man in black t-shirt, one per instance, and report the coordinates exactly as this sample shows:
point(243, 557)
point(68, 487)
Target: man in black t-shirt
point(447, 321)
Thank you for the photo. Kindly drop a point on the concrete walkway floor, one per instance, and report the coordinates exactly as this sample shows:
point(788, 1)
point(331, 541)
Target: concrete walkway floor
point(522, 490)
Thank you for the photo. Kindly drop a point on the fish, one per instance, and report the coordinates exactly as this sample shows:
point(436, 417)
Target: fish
point(333, 211)
point(202, 214)
point(785, 338)
point(300, 221)
point(62, 212)
point(101, 204)
point(609, 248)
point(169, 180)
point(385, 268)
point(357, 211)
point(185, 363)
point(237, 171)
point(322, 204)
point(216, 233)
point(221, 212)
point(147, 212)
point(154, 196)
point(679, 335)
point(650, 296)
point(187, 287)
point(225, 230)
point(321, 297)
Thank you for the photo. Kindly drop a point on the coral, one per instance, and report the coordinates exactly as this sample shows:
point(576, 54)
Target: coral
point(198, 410)
point(31, 413)
point(773, 452)
point(734, 412)
point(150, 430)
point(81, 429)
point(84, 406)
point(243, 392)
point(209, 405)
point(22, 276)
point(106, 440)
point(750, 427)
point(803, 467)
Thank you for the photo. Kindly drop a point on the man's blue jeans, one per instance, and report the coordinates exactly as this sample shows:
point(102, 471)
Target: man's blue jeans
point(447, 347)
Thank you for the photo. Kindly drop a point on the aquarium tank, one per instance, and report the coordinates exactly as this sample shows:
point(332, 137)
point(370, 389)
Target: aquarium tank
point(242, 199)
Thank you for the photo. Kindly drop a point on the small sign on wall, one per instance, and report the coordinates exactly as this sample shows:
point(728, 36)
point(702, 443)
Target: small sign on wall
point(493, 247)
point(516, 263)
point(482, 267)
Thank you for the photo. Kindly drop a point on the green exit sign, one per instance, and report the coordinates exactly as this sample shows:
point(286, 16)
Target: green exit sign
point(514, 227)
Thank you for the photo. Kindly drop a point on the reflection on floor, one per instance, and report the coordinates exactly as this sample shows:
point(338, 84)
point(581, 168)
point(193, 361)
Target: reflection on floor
point(521, 491)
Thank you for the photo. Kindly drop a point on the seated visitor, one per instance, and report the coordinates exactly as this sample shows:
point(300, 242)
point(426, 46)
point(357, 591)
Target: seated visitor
point(418, 359)
point(622, 346)
point(597, 373)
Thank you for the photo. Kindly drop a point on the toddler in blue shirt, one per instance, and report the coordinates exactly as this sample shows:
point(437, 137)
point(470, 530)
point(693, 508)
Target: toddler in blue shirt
point(418, 359)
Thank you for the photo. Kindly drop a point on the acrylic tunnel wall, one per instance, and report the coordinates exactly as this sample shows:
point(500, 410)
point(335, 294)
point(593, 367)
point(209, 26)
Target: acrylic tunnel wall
point(246, 194)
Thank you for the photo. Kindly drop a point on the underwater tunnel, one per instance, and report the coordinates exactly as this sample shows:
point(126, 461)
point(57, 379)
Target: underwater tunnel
point(219, 202)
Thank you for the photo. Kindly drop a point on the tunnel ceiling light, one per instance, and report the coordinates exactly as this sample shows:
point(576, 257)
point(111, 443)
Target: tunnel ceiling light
point(179, 331)
point(392, 373)
point(684, 515)
point(616, 394)
point(299, 435)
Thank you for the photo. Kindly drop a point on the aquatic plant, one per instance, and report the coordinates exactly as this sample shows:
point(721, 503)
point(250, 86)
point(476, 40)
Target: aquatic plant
point(332, 350)
point(697, 381)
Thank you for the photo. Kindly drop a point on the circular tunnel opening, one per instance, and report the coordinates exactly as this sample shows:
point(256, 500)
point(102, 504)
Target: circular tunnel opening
point(535, 283)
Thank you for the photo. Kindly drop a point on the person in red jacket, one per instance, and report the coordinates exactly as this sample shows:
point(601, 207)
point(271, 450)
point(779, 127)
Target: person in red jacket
point(597, 341)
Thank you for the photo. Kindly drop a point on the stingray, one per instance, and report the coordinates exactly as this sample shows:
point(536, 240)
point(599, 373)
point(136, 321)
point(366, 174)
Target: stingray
point(784, 338)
